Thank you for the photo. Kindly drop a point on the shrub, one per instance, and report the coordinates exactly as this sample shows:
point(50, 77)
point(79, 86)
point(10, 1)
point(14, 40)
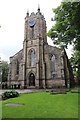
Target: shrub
point(10, 94)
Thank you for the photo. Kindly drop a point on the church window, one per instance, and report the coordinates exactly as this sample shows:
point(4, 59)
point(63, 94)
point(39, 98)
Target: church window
point(32, 57)
point(10, 71)
point(17, 67)
point(61, 60)
point(53, 66)
point(32, 32)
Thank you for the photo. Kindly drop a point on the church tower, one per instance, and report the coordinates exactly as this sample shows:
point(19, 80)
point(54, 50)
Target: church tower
point(33, 50)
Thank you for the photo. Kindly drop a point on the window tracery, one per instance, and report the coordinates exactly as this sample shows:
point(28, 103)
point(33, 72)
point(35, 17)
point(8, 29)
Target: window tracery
point(31, 57)
point(53, 66)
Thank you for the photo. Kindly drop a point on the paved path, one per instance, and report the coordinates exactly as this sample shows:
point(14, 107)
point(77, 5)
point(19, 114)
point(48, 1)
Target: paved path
point(23, 91)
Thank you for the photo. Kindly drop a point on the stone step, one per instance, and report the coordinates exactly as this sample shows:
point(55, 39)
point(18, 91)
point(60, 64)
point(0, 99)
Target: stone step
point(30, 87)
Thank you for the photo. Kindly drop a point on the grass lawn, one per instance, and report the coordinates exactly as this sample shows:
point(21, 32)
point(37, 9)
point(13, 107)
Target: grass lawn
point(42, 105)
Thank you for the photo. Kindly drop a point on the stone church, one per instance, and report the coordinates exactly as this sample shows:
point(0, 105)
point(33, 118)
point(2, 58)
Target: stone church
point(39, 65)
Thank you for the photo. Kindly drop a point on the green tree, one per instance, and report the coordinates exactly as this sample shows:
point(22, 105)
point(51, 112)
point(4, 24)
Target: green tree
point(67, 28)
point(75, 61)
point(5, 69)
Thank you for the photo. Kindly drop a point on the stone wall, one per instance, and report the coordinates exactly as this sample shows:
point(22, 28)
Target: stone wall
point(55, 83)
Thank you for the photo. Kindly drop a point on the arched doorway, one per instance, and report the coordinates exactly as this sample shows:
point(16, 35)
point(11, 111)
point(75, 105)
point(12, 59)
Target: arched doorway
point(31, 79)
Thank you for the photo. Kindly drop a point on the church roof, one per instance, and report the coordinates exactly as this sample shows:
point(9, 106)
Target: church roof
point(15, 55)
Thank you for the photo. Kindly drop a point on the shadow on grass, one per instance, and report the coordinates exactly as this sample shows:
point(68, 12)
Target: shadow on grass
point(40, 119)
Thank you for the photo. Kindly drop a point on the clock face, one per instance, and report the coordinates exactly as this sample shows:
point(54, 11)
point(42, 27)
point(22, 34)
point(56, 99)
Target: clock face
point(32, 23)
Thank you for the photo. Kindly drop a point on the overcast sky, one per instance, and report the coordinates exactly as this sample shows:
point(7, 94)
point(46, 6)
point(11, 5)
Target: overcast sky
point(12, 14)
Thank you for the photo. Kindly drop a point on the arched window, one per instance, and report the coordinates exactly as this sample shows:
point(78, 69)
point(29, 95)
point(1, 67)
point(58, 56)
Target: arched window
point(32, 32)
point(32, 58)
point(53, 66)
point(17, 67)
point(62, 67)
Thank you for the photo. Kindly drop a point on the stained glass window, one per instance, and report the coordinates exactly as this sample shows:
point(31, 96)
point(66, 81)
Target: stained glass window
point(53, 66)
point(17, 67)
point(32, 58)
